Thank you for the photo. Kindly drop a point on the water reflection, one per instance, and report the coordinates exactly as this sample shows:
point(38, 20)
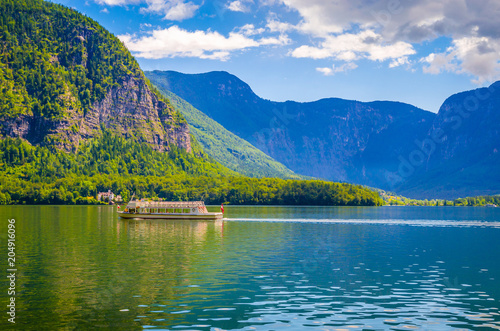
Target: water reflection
point(83, 267)
point(197, 230)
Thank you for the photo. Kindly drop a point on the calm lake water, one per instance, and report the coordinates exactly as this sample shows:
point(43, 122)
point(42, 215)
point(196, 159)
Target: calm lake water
point(262, 268)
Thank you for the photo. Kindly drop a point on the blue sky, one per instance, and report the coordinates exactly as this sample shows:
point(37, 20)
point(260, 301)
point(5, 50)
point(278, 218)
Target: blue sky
point(414, 51)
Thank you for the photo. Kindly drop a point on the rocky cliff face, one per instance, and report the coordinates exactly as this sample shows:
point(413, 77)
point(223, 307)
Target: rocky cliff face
point(134, 111)
point(79, 80)
point(131, 110)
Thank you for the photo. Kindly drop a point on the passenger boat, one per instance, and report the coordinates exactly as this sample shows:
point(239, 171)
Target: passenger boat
point(191, 210)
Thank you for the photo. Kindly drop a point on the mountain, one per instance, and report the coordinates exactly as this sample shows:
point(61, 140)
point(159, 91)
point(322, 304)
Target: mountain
point(460, 154)
point(389, 145)
point(331, 138)
point(225, 147)
point(78, 116)
point(64, 78)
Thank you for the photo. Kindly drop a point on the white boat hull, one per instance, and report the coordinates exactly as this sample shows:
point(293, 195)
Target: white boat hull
point(172, 216)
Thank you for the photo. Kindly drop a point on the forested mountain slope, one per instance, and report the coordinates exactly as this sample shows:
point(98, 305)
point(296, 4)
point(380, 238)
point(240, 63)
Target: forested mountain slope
point(63, 77)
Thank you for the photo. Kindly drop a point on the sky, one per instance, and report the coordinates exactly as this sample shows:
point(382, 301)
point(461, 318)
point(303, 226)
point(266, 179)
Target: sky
point(414, 51)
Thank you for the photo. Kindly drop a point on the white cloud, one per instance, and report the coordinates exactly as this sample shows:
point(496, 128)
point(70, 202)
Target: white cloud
point(399, 62)
point(311, 52)
point(440, 62)
point(471, 25)
point(350, 47)
point(250, 30)
point(477, 56)
point(240, 6)
point(276, 26)
point(118, 2)
point(333, 70)
point(174, 10)
point(467, 31)
point(280, 41)
point(177, 42)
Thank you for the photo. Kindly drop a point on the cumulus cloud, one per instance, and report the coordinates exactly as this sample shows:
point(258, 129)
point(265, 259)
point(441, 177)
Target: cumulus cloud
point(399, 62)
point(477, 56)
point(174, 10)
point(177, 42)
point(472, 26)
point(344, 31)
point(276, 26)
point(279, 41)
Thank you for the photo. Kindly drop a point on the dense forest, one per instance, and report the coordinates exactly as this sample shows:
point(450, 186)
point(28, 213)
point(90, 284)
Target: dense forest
point(39, 175)
point(63, 75)
point(53, 59)
point(50, 60)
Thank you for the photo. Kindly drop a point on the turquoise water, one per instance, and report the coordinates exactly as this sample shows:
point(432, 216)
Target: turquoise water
point(262, 268)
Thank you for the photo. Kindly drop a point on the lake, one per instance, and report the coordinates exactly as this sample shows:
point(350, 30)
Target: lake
point(261, 268)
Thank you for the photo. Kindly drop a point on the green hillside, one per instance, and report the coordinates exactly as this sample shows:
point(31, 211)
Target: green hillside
point(64, 76)
point(54, 59)
point(78, 116)
point(225, 147)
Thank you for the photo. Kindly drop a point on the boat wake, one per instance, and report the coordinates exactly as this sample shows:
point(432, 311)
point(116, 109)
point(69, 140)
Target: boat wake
point(423, 222)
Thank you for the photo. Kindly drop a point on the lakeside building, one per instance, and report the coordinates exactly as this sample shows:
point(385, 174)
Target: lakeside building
point(106, 196)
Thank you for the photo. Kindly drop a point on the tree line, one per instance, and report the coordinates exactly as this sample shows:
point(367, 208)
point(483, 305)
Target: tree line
point(478, 201)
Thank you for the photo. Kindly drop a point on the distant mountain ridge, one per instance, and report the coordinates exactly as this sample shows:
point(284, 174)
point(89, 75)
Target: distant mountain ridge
point(321, 139)
point(224, 146)
point(358, 142)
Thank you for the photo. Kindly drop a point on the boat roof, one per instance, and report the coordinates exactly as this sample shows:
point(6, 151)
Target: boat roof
point(164, 204)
